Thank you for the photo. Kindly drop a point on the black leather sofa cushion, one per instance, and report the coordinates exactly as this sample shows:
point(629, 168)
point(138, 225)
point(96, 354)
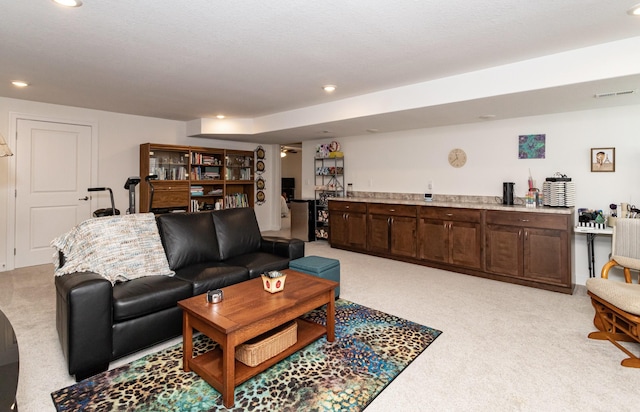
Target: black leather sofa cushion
point(188, 238)
point(135, 334)
point(146, 295)
point(83, 320)
point(259, 262)
point(237, 231)
point(210, 275)
point(282, 247)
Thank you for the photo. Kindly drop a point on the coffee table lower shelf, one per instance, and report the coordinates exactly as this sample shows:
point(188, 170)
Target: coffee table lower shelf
point(209, 365)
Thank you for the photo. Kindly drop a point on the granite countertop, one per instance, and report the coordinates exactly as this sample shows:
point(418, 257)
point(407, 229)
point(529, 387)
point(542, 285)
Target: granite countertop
point(476, 202)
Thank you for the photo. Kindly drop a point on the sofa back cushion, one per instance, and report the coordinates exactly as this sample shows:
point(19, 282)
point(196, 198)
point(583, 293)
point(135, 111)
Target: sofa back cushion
point(188, 238)
point(237, 231)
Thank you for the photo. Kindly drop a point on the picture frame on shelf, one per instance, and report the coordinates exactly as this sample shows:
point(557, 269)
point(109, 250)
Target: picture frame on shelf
point(603, 159)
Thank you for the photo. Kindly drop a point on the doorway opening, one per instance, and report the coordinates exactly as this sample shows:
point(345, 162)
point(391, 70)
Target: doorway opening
point(291, 175)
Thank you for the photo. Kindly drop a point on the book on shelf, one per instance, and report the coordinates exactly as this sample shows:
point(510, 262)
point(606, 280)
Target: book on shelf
point(205, 173)
point(197, 191)
point(236, 200)
point(205, 159)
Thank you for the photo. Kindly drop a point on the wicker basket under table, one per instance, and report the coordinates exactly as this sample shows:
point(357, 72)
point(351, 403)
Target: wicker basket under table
point(267, 345)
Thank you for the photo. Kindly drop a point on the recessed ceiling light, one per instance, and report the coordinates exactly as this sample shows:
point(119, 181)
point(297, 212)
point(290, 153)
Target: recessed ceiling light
point(19, 83)
point(220, 116)
point(634, 11)
point(487, 116)
point(329, 88)
point(69, 3)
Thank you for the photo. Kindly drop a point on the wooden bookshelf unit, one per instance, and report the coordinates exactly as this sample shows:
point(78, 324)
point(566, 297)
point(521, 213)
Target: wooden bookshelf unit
point(193, 178)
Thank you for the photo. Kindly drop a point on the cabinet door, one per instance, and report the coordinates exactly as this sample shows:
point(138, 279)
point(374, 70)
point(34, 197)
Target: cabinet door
point(378, 233)
point(546, 256)
point(433, 240)
point(465, 242)
point(403, 236)
point(357, 230)
point(348, 224)
point(504, 250)
point(338, 229)
point(171, 195)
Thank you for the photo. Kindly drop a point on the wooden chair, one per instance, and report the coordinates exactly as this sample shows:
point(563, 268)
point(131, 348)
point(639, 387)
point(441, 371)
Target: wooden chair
point(625, 248)
point(617, 304)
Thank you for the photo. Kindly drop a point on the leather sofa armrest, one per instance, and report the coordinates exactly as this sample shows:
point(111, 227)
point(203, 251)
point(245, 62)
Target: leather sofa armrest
point(289, 248)
point(84, 322)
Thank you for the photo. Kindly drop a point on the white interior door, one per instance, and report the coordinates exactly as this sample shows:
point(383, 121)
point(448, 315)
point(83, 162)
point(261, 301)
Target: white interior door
point(53, 172)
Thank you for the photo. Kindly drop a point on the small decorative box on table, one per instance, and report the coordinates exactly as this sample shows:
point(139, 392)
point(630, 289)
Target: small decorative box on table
point(273, 281)
point(321, 267)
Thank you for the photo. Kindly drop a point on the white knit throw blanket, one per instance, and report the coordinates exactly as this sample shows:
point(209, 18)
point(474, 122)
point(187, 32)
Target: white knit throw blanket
point(119, 248)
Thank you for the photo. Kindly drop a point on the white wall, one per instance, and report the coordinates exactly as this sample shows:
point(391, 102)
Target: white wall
point(119, 137)
point(405, 161)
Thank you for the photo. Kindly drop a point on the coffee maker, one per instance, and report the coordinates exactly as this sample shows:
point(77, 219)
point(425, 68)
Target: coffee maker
point(507, 193)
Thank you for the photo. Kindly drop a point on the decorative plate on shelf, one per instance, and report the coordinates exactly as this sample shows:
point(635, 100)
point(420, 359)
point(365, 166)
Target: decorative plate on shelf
point(260, 152)
point(260, 196)
point(260, 166)
point(261, 183)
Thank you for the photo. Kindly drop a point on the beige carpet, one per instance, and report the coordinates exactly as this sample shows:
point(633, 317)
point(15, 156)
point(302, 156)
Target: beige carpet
point(504, 347)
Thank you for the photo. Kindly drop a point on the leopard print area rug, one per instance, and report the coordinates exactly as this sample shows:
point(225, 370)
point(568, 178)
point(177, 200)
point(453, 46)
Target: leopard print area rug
point(370, 350)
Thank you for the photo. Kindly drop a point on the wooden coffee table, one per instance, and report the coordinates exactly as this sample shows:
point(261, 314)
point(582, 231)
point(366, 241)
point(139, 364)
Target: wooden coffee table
point(247, 311)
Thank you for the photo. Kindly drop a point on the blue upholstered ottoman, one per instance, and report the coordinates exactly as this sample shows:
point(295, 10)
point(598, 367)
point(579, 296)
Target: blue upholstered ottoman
point(319, 266)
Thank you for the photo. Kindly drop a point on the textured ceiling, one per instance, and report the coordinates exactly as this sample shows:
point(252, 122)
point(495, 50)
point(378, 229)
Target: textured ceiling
point(186, 60)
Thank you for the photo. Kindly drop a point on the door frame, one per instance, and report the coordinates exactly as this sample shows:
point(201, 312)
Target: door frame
point(11, 186)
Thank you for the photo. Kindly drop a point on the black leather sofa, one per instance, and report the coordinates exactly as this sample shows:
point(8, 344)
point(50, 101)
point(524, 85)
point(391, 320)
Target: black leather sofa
point(98, 322)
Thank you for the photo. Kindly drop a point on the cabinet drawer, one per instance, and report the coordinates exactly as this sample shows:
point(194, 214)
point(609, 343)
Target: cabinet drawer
point(534, 220)
point(392, 210)
point(174, 194)
point(341, 206)
point(451, 213)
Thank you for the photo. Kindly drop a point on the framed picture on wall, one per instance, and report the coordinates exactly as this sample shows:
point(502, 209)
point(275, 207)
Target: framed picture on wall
point(603, 159)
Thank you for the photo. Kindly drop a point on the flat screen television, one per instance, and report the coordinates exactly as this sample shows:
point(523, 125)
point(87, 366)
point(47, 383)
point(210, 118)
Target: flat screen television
point(288, 182)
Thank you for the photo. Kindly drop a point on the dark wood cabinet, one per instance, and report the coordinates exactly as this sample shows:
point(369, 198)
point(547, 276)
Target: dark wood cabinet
point(530, 246)
point(450, 235)
point(348, 221)
point(392, 229)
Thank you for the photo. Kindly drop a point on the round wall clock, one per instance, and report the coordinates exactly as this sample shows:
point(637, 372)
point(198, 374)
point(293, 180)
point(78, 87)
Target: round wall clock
point(457, 158)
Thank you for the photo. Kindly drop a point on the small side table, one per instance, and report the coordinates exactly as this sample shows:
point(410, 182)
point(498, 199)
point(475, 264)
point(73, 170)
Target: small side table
point(591, 233)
